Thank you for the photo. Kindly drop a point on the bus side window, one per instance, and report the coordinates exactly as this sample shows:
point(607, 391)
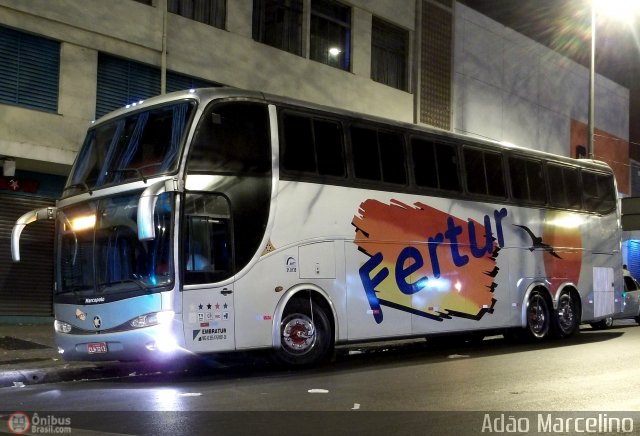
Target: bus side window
point(312, 146)
point(366, 155)
point(435, 165)
point(378, 155)
point(564, 183)
point(485, 174)
point(232, 138)
point(207, 249)
point(527, 180)
point(392, 157)
point(598, 193)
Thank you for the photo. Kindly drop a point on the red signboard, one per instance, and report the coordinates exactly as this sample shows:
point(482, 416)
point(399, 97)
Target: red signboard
point(18, 185)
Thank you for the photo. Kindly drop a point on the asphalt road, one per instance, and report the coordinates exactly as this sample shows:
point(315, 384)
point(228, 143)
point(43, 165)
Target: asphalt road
point(444, 389)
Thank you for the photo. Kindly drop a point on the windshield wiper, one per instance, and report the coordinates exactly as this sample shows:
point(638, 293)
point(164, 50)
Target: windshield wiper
point(75, 289)
point(141, 285)
point(130, 170)
point(79, 185)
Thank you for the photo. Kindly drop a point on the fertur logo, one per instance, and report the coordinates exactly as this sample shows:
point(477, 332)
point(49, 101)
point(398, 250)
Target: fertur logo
point(427, 262)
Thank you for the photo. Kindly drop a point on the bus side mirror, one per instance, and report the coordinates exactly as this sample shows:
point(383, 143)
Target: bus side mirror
point(147, 204)
point(46, 213)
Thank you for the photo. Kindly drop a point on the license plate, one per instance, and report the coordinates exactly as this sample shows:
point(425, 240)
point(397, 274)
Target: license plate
point(97, 347)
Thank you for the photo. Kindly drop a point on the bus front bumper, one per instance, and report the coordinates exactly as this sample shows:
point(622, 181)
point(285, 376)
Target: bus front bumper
point(151, 343)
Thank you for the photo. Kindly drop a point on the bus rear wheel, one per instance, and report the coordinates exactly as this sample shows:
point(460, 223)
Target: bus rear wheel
point(538, 316)
point(567, 317)
point(305, 334)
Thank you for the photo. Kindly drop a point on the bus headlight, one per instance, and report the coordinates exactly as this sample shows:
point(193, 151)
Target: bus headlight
point(61, 327)
point(151, 319)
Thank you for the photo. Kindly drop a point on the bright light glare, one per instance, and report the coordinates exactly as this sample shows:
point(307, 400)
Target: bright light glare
point(568, 222)
point(334, 51)
point(166, 343)
point(83, 223)
point(165, 316)
point(623, 10)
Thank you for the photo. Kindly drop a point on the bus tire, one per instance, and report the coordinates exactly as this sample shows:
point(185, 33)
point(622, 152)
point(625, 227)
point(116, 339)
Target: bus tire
point(567, 317)
point(538, 316)
point(305, 334)
point(603, 324)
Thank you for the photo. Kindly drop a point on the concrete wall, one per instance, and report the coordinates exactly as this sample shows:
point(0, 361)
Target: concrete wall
point(506, 87)
point(509, 88)
point(133, 30)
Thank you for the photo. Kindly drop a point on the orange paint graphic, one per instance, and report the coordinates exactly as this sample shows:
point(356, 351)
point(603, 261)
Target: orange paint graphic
point(562, 231)
point(427, 262)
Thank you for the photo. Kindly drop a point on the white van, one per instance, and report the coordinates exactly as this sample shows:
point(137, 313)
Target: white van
point(630, 306)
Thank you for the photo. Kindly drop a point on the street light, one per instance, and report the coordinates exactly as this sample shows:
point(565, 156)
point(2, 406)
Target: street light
point(623, 10)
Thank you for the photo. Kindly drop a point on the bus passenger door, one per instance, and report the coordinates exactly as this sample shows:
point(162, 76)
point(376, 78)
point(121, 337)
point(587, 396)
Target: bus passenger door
point(209, 320)
point(207, 259)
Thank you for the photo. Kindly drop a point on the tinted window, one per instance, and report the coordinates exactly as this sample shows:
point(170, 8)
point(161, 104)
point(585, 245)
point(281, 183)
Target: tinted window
point(232, 138)
point(565, 189)
point(298, 152)
point(484, 172)
point(312, 146)
point(630, 284)
point(392, 157)
point(435, 165)
point(207, 248)
point(378, 155)
point(366, 156)
point(329, 147)
point(598, 191)
point(527, 180)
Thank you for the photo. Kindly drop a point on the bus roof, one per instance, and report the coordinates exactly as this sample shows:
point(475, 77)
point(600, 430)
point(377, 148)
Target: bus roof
point(205, 95)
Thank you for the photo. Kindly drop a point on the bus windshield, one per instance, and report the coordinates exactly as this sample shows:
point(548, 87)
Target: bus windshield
point(100, 253)
point(143, 144)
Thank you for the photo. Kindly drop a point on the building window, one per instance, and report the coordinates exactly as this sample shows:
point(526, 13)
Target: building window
point(278, 23)
point(330, 34)
point(389, 54)
point(29, 70)
point(122, 81)
point(212, 12)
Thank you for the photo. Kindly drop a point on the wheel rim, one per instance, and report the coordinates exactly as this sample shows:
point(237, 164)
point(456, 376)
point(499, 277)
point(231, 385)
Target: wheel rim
point(566, 314)
point(298, 333)
point(538, 317)
point(608, 321)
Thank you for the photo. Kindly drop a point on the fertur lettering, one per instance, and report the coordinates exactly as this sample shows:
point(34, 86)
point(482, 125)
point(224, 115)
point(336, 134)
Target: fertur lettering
point(427, 262)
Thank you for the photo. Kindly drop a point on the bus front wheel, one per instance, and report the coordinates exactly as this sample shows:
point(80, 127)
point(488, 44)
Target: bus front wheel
point(305, 334)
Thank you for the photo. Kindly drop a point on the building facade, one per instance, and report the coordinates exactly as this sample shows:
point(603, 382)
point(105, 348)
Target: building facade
point(431, 62)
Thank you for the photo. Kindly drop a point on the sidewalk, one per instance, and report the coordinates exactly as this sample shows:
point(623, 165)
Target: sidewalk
point(28, 355)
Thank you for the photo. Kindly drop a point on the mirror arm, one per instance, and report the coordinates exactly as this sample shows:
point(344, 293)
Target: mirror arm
point(47, 213)
point(147, 204)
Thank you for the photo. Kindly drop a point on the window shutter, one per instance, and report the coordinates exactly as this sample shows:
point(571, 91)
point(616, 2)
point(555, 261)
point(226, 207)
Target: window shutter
point(180, 82)
point(122, 81)
point(29, 70)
